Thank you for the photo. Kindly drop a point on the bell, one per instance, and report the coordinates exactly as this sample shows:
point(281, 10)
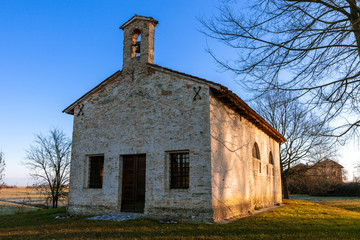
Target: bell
point(137, 45)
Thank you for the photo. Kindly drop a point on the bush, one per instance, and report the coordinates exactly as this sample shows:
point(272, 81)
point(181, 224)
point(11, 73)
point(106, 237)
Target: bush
point(345, 190)
point(321, 188)
point(324, 189)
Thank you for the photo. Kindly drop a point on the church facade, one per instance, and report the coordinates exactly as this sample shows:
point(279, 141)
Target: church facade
point(152, 140)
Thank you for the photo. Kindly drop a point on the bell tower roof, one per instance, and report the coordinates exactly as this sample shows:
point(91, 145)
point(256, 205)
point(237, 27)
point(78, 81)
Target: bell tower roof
point(138, 17)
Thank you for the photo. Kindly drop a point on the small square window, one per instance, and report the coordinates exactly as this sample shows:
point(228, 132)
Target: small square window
point(179, 170)
point(96, 171)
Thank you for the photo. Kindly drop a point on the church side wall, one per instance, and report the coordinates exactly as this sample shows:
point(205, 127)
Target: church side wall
point(145, 112)
point(239, 183)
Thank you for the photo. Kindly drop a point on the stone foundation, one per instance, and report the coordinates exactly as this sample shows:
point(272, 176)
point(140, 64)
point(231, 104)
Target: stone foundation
point(182, 214)
point(90, 209)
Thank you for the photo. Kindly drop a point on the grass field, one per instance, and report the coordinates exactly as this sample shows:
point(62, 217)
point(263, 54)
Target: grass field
point(9, 197)
point(320, 199)
point(348, 203)
point(295, 220)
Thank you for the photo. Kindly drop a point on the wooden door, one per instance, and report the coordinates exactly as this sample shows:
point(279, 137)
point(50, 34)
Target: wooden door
point(133, 183)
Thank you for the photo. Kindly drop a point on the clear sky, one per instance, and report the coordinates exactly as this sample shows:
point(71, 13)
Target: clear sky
point(54, 51)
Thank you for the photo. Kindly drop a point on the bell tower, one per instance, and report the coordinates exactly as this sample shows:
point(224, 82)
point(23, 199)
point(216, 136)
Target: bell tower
point(138, 43)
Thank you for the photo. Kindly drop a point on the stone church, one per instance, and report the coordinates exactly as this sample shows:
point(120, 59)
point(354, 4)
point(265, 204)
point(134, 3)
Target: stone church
point(153, 140)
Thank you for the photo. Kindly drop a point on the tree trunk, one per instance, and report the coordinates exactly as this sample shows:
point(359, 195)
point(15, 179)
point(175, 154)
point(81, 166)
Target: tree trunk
point(355, 22)
point(285, 186)
point(55, 201)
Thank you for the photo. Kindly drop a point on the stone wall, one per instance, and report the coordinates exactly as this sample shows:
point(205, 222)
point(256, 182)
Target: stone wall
point(238, 186)
point(144, 112)
point(151, 110)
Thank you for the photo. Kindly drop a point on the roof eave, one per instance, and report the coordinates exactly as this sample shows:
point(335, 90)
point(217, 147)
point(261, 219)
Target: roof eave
point(224, 94)
point(249, 112)
point(138, 17)
point(191, 77)
point(245, 110)
point(70, 109)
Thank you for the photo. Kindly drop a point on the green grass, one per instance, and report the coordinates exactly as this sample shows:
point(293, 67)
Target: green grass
point(348, 203)
point(318, 199)
point(295, 220)
point(14, 208)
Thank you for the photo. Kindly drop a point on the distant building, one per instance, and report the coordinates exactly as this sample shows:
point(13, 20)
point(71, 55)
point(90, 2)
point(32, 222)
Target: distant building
point(167, 144)
point(316, 178)
point(326, 170)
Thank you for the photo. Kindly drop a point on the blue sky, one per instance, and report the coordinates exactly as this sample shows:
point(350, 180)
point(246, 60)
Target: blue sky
point(54, 51)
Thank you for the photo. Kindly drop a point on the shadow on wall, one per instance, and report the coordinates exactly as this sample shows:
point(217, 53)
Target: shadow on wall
point(231, 170)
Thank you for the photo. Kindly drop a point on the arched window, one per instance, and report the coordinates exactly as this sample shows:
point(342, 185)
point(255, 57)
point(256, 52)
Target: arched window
point(255, 151)
point(136, 43)
point(271, 160)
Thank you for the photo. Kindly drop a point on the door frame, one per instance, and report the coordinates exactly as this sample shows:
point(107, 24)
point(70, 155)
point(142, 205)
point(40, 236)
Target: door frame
point(136, 170)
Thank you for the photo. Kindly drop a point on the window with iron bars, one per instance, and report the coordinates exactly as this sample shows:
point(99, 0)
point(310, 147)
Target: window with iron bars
point(179, 167)
point(96, 171)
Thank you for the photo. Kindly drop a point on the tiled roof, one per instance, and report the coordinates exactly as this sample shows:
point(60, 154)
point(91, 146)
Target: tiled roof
point(327, 162)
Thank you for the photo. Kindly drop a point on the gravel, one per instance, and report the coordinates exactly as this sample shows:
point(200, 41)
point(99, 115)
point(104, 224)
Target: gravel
point(117, 217)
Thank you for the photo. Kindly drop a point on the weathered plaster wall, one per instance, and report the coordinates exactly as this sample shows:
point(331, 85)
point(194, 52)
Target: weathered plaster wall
point(237, 184)
point(151, 112)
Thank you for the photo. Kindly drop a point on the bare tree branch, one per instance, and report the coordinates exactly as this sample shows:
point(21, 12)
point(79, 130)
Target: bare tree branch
point(307, 136)
point(49, 162)
point(308, 47)
point(2, 169)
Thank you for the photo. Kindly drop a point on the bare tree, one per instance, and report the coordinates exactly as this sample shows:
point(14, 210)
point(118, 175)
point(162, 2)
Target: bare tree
point(2, 169)
point(356, 172)
point(308, 47)
point(307, 140)
point(49, 162)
